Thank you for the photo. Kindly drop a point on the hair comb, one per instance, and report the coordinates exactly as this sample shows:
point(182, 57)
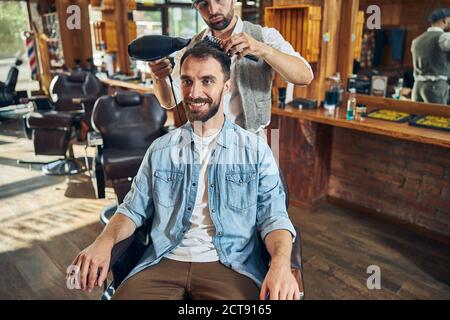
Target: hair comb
point(215, 43)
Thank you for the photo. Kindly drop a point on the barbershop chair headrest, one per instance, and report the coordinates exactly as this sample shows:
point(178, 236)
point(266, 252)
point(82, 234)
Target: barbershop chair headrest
point(77, 76)
point(128, 99)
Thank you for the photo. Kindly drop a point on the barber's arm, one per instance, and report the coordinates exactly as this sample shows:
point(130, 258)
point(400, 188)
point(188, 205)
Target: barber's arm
point(292, 68)
point(276, 230)
point(444, 42)
point(160, 71)
point(93, 262)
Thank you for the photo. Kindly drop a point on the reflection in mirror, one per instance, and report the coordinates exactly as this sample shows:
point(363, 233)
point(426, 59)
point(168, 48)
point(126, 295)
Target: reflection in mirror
point(409, 57)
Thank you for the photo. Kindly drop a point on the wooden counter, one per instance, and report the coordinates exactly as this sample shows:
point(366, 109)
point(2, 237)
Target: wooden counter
point(390, 170)
point(381, 127)
point(128, 86)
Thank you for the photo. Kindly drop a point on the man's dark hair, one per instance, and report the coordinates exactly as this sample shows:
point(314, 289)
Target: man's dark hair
point(204, 50)
point(438, 14)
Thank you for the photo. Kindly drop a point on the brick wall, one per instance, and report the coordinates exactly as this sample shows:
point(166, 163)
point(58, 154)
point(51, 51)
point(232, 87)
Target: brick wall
point(404, 179)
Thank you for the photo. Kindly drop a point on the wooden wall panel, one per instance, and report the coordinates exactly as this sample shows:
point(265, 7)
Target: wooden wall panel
point(132, 31)
point(349, 12)
point(116, 18)
point(327, 64)
point(327, 60)
point(358, 34)
point(111, 37)
point(304, 158)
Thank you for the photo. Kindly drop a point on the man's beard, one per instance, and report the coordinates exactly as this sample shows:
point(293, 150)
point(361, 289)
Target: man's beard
point(447, 28)
point(222, 24)
point(203, 117)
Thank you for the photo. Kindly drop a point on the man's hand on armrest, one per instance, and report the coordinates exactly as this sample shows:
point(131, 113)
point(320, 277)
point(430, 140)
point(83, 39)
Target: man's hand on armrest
point(92, 264)
point(279, 282)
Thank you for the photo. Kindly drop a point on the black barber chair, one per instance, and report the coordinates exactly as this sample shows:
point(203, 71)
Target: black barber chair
point(8, 95)
point(62, 118)
point(126, 254)
point(128, 123)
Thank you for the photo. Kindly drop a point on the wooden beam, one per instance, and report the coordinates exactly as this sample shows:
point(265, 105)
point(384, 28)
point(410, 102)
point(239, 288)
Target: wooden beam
point(329, 49)
point(349, 12)
point(121, 17)
point(76, 44)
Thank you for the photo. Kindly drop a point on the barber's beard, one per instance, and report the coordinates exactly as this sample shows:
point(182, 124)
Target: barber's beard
point(222, 24)
point(213, 107)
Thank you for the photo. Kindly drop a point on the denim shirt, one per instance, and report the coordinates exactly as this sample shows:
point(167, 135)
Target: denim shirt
point(246, 199)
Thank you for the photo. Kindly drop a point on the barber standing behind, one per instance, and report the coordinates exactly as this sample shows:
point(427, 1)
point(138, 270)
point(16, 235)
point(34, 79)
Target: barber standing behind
point(431, 59)
point(249, 102)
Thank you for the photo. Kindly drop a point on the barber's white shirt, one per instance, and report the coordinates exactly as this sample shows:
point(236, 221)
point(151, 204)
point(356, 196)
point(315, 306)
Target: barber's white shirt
point(232, 101)
point(197, 244)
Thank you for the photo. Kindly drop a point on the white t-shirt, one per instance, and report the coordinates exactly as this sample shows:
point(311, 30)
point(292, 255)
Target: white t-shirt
point(232, 101)
point(197, 244)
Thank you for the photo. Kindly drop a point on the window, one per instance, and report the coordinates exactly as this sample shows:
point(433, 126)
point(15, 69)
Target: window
point(148, 22)
point(252, 10)
point(169, 17)
point(184, 22)
point(13, 22)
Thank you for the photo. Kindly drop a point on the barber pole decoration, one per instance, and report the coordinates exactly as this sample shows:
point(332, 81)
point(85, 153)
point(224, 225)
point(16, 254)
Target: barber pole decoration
point(31, 56)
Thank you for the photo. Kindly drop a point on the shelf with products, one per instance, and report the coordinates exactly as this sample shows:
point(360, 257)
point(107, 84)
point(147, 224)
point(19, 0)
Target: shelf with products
point(51, 29)
point(112, 28)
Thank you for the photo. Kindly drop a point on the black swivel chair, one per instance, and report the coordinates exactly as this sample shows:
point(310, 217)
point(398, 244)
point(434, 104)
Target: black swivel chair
point(60, 118)
point(128, 123)
point(8, 95)
point(126, 254)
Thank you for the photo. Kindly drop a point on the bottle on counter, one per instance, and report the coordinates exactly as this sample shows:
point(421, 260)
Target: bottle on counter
point(351, 104)
point(360, 111)
point(334, 95)
point(282, 98)
point(398, 89)
point(338, 88)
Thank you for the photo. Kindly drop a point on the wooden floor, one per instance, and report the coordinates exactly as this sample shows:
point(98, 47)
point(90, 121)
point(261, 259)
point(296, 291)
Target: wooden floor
point(45, 221)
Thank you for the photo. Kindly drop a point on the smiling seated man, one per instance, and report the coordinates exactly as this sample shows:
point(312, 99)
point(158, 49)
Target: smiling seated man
point(210, 189)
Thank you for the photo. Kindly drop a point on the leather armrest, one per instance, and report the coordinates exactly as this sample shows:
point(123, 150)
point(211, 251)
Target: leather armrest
point(119, 249)
point(87, 103)
point(297, 262)
point(41, 103)
point(126, 254)
point(299, 278)
point(296, 256)
point(34, 98)
point(84, 100)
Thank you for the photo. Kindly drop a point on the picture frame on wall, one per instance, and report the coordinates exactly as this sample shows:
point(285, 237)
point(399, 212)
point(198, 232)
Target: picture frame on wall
point(379, 86)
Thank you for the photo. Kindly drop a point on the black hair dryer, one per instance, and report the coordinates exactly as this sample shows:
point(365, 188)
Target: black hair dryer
point(154, 47)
